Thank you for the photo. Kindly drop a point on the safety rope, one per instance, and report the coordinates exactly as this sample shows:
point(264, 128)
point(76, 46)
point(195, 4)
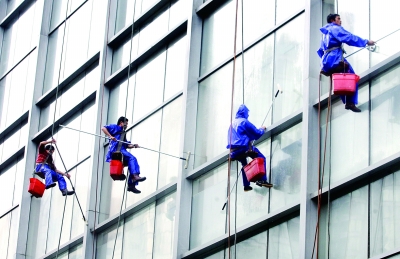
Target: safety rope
point(126, 107)
point(101, 122)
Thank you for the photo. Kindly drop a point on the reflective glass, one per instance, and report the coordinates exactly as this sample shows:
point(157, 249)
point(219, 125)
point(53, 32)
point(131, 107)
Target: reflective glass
point(209, 194)
point(347, 219)
point(125, 11)
point(164, 227)
point(58, 11)
point(11, 179)
point(8, 235)
point(170, 143)
point(11, 4)
point(175, 68)
point(283, 240)
point(288, 68)
point(13, 141)
point(149, 86)
point(355, 19)
point(121, 54)
point(217, 40)
point(258, 83)
point(383, 22)
point(213, 112)
point(286, 167)
point(106, 240)
point(287, 8)
point(347, 139)
point(139, 229)
point(178, 12)
point(384, 214)
point(19, 38)
point(253, 247)
point(385, 117)
point(4, 234)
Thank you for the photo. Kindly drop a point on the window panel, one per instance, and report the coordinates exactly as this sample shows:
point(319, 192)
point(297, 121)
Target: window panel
point(59, 9)
point(105, 243)
point(175, 68)
point(13, 141)
point(121, 54)
point(164, 227)
point(4, 234)
point(385, 117)
point(284, 240)
point(287, 8)
point(8, 235)
point(209, 193)
point(178, 12)
point(19, 38)
point(12, 4)
point(288, 68)
point(348, 226)
point(384, 214)
point(253, 247)
point(149, 86)
point(125, 11)
point(170, 143)
point(286, 167)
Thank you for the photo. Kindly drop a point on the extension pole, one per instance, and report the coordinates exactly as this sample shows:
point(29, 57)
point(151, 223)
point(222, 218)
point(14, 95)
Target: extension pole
point(226, 201)
point(100, 136)
point(73, 188)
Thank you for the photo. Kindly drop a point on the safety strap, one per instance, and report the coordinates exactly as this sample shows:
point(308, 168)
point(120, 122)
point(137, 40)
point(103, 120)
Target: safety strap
point(122, 138)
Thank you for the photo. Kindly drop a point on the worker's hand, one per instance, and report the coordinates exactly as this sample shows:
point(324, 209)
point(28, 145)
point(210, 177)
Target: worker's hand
point(370, 42)
point(136, 146)
point(67, 175)
point(113, 138)
point(264, 128)
point(53, 141)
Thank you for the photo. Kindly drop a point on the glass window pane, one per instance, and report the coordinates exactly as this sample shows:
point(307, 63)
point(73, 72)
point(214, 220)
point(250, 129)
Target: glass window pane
point(286, 8)
point(213, 112)
point(217, 40)
point(58, 10)
point(284, 240)
point(13, 141)
point(175, 68)
point(209, 194)
point(149, 86)
point(106, 240)
point(125, 10)
point(384, 214)
point(385, 117)
point(11, 4)
point(348, 226)
point(178, 13)
point(288, 69)
point(139, 229)
point(286, 167)
point(253, 247)
point(164, 227)
point(347, 139)
point(4, 234)
point(170, 143)
point(7, 181)
point(121, 54)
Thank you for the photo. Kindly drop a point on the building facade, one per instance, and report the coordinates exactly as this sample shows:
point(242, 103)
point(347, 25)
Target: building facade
point(169, 67)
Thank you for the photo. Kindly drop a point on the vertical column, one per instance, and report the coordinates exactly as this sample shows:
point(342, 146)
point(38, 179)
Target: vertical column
point(92, 213)
point(33, 126)
point(309, 179)
point(190, 93)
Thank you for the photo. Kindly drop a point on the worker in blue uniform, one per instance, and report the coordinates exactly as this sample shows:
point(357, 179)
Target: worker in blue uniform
point(240, 136)
point(114, 131)
point(331, 54)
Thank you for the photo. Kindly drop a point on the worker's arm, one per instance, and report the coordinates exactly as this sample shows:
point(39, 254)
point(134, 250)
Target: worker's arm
point(43, 143)
point(105, 130)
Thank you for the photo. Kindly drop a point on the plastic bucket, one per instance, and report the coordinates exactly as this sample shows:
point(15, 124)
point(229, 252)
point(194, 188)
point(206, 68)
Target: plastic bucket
point(116, 170)
point(36, 187)
point(344, 83)
point(255, 169)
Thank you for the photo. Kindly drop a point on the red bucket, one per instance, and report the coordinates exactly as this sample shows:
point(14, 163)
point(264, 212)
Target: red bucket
point(344, 83)
point(255, 169)
point(117, 170)
point(36, 187)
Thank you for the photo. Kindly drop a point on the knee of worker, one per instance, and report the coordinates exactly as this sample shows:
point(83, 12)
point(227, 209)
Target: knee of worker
point(61, 183)
point(133, 166)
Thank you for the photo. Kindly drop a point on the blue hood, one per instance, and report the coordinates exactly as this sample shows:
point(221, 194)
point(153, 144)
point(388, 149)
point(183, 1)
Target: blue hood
point(327, 27)
point(243, 112)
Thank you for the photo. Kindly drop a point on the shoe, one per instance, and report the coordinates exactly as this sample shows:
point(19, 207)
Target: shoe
point(263, 183)
point(50, 186)
point(248, 188)
point(352, 107)
point(137, 178)
point(133, 189)
point(66, 192)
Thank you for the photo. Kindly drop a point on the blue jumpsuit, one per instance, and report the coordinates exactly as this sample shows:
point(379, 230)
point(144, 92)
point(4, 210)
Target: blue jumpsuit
point(51, 176)
point(333, 36)
point(244, 132)
point(133, 165)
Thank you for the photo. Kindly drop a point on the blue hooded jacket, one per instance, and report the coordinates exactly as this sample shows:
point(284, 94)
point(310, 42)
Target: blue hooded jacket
point(243, 131)
point(115, 131)
point(333, 36)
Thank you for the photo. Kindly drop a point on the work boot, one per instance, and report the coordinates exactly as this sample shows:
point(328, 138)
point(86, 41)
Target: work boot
point(50, 185)
point(132, 188)
point(248, 188)
point(66, 192)
point(137, 178)
point(263, 183)
point(352, 107)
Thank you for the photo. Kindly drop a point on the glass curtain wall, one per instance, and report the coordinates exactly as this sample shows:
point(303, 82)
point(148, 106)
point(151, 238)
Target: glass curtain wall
point(20, 36)
point(152, 228)
point(365, 138)
point(283, 158)
point(13, 141)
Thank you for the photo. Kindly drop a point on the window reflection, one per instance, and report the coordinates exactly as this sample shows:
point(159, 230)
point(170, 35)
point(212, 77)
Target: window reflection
point(8, 235)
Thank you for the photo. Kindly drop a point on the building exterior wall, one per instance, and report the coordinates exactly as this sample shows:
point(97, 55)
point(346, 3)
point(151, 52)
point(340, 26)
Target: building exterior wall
point(172, 68)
